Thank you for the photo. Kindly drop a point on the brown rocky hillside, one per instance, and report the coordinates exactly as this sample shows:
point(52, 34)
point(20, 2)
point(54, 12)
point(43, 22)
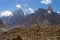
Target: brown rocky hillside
point(36, 32)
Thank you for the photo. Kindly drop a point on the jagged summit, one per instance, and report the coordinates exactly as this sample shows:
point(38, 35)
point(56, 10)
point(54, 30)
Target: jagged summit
point(17, 16)
point(18, 12)
point(49, 10)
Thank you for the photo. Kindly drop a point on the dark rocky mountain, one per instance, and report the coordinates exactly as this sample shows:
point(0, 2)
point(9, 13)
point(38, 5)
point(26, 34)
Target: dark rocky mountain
point(17, 16)
point(40, 16)
point(13, 20)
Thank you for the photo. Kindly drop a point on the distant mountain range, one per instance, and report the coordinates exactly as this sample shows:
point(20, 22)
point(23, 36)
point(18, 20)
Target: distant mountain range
point(39, 17)
point(11, 21)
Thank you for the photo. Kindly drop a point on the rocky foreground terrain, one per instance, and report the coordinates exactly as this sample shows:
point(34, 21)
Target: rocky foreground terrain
point(36, 32)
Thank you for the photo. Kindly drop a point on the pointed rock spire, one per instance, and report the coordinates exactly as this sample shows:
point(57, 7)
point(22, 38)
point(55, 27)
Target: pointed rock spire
point(49, 10)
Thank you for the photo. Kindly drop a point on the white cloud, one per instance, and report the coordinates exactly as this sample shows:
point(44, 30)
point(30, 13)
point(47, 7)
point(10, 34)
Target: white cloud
point(46, 1)
point(28, 11)
point(6, 13)
point(18, 6)
point(31, 10)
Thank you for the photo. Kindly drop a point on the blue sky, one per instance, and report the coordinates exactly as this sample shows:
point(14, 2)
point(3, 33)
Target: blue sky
point(34, 4)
